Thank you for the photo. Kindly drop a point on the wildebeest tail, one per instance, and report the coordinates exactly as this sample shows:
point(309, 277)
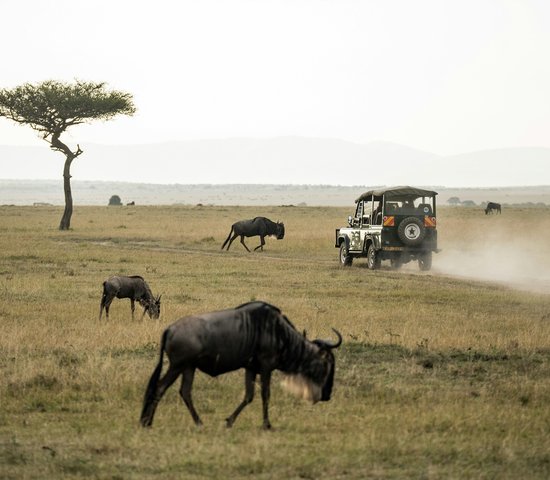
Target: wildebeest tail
point(153, 381)
point(228, 237)
point(103, 297)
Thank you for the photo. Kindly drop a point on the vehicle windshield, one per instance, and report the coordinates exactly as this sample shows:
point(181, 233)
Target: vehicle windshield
point(409, 205)
point(369, 212)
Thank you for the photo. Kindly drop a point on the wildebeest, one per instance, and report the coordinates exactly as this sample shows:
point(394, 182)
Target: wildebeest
point(251, 228)
point(255, 336)
point(136, 289)
point(492, 206)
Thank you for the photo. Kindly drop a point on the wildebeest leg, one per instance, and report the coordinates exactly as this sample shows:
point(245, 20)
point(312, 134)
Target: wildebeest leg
point(227, 239)
point(144, 311)
point(231, 241)
point(163, 385)
point(185, 391)
point(262, 243)
point(249, 379)
point(104, 304)
point(244, 244)
point(266, 380)
point(133, 306)
point(107, 305)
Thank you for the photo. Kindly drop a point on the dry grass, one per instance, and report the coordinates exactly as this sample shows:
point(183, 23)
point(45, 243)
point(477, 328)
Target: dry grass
point(438, 377)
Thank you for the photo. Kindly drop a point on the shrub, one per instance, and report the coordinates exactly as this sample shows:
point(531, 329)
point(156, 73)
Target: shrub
point(115, 200)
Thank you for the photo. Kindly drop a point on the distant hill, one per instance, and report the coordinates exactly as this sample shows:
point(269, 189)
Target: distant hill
point(283, 160)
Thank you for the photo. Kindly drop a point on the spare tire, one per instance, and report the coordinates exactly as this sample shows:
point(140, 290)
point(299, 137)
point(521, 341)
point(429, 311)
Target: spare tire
point(411, 231)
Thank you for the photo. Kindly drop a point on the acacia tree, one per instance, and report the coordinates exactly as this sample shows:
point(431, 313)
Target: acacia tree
point(51, 107)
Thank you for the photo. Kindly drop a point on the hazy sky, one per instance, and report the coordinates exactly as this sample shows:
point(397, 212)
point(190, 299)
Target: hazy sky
point(443, 76)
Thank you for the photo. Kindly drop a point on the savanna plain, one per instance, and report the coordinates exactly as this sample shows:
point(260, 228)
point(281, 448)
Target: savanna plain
point(439, 376)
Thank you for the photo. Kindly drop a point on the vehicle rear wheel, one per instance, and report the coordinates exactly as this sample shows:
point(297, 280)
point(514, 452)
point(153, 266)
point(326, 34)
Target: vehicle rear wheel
point(373, 259)
point(411, 231)
point(345, 258)
point(396, 263)
point(425, 261)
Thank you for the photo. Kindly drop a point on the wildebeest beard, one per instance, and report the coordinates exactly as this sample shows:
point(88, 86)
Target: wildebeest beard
point(302, 387)
point(309, 389)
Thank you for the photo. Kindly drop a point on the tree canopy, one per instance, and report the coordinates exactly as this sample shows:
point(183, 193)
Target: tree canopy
point(51, 107)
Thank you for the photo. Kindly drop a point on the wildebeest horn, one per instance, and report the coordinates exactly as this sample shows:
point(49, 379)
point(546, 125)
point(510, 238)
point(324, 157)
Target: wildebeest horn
point(330, 344)
point(339, 342)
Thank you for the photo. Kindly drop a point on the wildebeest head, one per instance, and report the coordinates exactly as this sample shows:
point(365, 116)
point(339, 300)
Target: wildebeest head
point(153, 309)
point(327, 357)
point(315, 383)
point(280, 230)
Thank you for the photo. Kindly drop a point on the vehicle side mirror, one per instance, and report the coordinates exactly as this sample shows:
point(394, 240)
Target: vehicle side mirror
point(350, 220)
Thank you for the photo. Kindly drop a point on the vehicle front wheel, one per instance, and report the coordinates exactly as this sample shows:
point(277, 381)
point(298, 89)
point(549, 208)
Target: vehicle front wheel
point(345, 258)
point(373, 259)
point(425, 261)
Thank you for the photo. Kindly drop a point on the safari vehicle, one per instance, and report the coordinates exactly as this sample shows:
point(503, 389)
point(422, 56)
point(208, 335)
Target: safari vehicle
point(396, 224)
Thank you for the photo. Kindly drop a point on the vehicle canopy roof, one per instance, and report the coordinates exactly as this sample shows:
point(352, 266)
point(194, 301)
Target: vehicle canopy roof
point(392, 192)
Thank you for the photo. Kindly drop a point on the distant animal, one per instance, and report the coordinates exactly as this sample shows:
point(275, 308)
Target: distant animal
point(255, 336)
point(492, 206)
point(251, 228)
point(136, 289)
point(131, 203)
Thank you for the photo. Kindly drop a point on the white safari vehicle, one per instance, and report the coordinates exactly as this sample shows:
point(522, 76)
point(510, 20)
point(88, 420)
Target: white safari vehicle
point(396, 224)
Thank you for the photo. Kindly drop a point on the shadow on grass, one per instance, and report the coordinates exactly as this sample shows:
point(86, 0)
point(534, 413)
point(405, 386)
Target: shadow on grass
point(359, 352)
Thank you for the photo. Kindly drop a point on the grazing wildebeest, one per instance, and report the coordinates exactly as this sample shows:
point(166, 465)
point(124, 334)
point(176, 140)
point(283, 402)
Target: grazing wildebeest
point(255, 336)
point(136, 289)
point(251, 228)
point(492, 206)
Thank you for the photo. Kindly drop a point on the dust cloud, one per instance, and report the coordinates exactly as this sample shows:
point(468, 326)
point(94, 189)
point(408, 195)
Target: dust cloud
point(506, 264)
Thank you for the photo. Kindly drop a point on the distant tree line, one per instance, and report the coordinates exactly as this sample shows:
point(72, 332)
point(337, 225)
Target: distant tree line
point(455, 201)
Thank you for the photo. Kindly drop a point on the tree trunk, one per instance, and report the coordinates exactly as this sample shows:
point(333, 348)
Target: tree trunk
point(66, 218)
point(58, 145)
